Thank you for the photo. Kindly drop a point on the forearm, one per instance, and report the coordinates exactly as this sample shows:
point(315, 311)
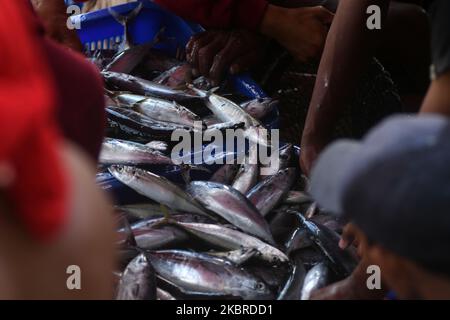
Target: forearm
point(438, 97)
point(349, 46)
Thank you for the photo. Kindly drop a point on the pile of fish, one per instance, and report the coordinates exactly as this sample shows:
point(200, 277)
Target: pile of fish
point(236, 234)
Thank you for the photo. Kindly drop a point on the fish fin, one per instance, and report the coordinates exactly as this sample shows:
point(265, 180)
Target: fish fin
point(123, 19)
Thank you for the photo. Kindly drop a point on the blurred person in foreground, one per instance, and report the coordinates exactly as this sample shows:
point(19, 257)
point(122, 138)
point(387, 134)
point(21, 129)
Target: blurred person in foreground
point(437, 101)
point(394, 189)
point(80, 105)
point(52, 214)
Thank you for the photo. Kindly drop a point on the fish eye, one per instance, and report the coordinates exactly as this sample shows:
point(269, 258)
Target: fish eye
point(260, 286)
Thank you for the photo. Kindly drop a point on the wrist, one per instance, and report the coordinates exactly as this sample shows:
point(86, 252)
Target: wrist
point(271, 21)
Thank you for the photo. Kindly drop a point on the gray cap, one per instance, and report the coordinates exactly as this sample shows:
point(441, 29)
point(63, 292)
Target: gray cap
point(395, 185)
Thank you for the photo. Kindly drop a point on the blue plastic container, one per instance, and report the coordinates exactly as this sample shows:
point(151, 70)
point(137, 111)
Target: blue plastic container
point(100, 31)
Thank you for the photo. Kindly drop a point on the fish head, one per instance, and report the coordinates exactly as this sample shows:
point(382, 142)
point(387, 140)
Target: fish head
point(258, 288)
point(123, 173)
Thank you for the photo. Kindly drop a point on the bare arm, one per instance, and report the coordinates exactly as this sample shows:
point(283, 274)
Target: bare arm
point(349, 46)
point(438, 96)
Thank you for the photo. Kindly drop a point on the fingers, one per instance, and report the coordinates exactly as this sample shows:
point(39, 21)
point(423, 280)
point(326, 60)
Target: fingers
point(195, 45)
point(208, 53)
point(245, 62)
point(222, 61)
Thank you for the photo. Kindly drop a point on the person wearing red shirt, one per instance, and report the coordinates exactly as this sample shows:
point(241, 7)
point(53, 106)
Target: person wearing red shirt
point(52, 216)
point(80, 101)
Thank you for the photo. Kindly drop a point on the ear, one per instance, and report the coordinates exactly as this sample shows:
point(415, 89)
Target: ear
point(397, 273)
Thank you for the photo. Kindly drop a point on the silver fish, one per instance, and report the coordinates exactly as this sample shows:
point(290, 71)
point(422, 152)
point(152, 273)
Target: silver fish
point(124, 21)
point(138, 281)
point(156, 188)
point(292, 289)
point(230, 239)
point(316, 278)
point(247, 176)
point(259, 108)
point(130, 153)
point(199, 274)
point(286, 154)
point(126, 82)
point(232, 206)
point(269, 193)
point(141, 210)
point(155, 239)
point(299, 240)
point(238, 257)
point(143, 124)
point(159, 109)
point(226, 174)
point(158, 145)
point(228, 111)
point(164, 295)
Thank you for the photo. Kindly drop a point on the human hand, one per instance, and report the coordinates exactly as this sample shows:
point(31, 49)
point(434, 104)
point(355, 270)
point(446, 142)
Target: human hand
point(302, 31)
point(215, 53)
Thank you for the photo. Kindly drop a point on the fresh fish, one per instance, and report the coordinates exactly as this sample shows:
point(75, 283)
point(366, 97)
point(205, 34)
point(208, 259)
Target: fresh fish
point(343, 262)
point(199, 274)
point(297, 197)
point(157, 60)
point(130, 153)
point(142, 123)
point(124, 20)
point(203, 83)
point(138, 281)
point(222, 127)
point(164, 295)
point(141, 210)
point(286, 154)
point(247, 176)
point(126, 82)
point(269, 193)
point(128, 59)
point(230, 239)
point(211, 120)
point(274, 276)
point(300, 239)
point(232, 206)
point(178, 217)
point(228, 111)
point(316, 278)
point(159, 109)
point(226, 174)
point(259, 108)
point(238, 257)
point(158, 145)
point(292, 290)
point(155, 239)
point(156, 188)
point(176, 77)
